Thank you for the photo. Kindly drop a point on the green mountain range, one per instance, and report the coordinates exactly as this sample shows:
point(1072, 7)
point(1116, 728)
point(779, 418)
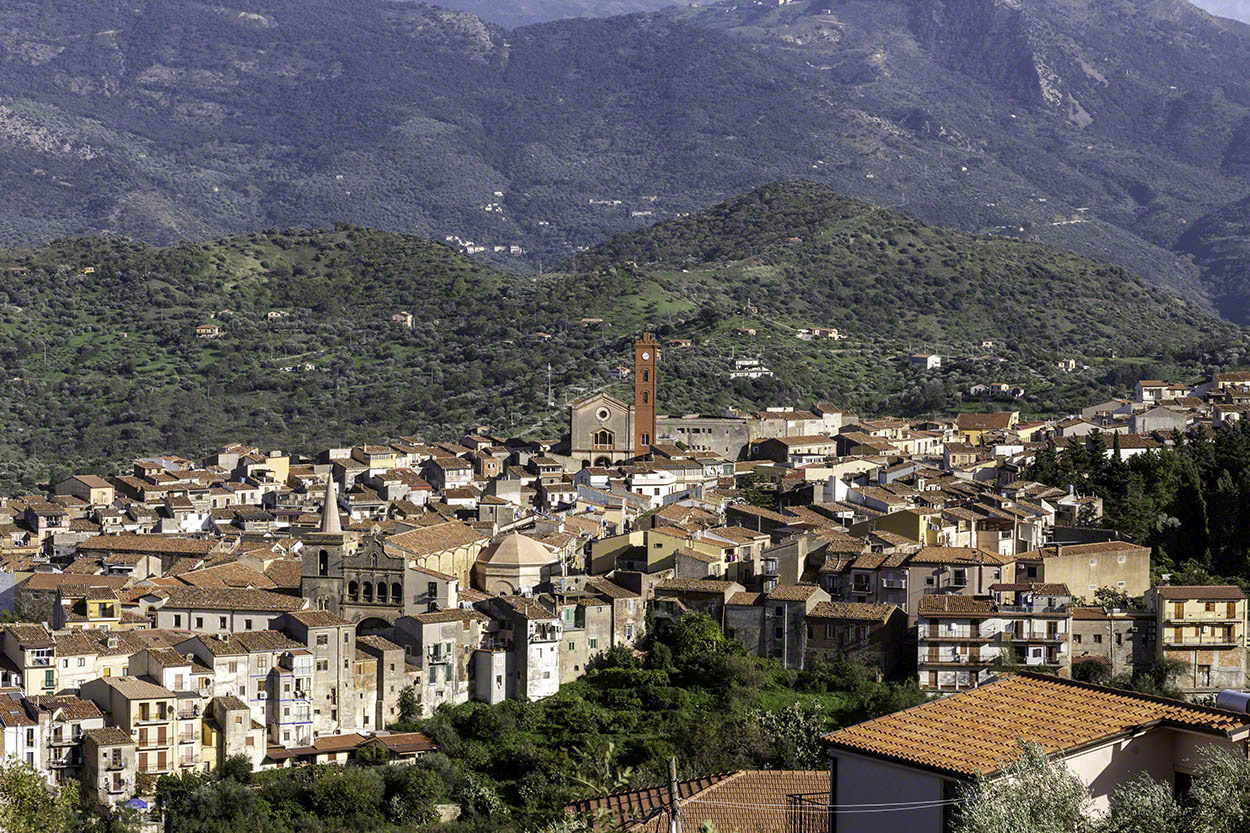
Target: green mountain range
point(1115, 128)
point(102, 360)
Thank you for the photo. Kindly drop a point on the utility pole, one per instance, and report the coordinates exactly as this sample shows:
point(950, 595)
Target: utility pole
point(550, 400)
point(674, 809)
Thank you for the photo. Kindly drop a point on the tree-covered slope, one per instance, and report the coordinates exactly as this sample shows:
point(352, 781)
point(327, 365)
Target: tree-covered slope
point(802, 252)
point(1105, 127)
point(101, 360)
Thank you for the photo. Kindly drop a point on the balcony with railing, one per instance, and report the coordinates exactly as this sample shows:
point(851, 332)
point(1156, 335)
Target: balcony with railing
point(1038, 609)
point(157, 715)
point(152, 741)
point(63, 761)
point(937, 634)
point(958, 661)
point(115, 764)
point(1032, 635)
point(1209, 640)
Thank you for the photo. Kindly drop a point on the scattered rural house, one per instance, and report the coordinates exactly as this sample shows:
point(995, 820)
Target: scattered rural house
point(749, 369)
point(405, 319)
point(925, 361)
point(208, 331)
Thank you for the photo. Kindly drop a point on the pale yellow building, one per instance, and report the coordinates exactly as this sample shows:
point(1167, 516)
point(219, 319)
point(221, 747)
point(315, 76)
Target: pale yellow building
point(1205, 628)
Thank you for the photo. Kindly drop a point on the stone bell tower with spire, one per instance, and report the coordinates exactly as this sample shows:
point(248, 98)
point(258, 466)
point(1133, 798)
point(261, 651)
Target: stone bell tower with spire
point(321, 577)
point(330, 523)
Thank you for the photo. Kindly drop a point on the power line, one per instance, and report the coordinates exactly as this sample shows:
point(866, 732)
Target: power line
point(904, 805)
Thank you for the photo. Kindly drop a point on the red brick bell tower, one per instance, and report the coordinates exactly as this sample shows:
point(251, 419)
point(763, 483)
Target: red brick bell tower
point(646, 358)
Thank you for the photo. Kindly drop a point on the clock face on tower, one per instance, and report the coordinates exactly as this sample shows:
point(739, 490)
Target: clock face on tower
point(646, 356)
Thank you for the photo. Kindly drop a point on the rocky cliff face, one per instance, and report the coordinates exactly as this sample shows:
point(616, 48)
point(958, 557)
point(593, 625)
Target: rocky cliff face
point(986, 39)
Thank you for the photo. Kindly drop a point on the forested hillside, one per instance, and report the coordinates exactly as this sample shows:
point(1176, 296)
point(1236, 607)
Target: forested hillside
point(1108, 128)
point(1186, 502)
point(102, 361)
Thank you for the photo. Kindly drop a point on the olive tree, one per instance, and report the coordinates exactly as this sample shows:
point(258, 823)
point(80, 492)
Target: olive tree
point(1032, 793)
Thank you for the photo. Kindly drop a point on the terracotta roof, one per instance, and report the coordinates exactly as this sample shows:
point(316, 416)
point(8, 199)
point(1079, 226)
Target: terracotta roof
point(858, 611)
point(338, 743)
point(436, 538)
point(975, 731)
point(255, 641)
point(745, 599)
point(1095, 548)
point(515, 550)
point(696, 585)
point(230, 703)
point(803, 439)
point(747, 801)
point(1220, 591)
point(285, 572)
point(74, 708)
point(689, 552)
point(29, 634)
point(109, 736)
point(134, 688)
point(318, 618)
point(440, 616)
point(92, 480)
point(792, 592)
point(128, 542)
point(984, 422)
point(168, 657)
point(608, 588)
point(760, 512)
point(1103, 614)
point(378, 642)
point(51, 581)
point(220, 645)
point(405, 742)
point(524, 605)
point(959, 555)
point(951, 603)
point(228, 598)
point(227, 575)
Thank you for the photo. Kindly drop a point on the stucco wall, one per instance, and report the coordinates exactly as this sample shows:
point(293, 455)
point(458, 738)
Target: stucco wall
point(864, 781)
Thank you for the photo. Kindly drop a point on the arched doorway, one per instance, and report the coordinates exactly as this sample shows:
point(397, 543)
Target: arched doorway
point(372, 625)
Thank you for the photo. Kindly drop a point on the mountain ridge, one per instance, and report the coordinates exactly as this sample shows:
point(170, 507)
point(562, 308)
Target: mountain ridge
point(1107, 128)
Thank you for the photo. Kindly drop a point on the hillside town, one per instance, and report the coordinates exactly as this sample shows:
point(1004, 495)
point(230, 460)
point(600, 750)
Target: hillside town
point(290, 607)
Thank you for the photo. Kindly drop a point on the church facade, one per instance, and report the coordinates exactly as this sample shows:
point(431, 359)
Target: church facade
point(605, 431)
